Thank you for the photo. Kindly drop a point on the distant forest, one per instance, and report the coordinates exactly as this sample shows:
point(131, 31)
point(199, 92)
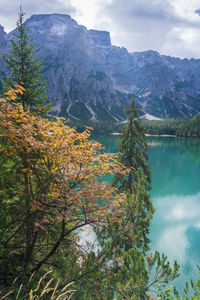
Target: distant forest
point(181, 128)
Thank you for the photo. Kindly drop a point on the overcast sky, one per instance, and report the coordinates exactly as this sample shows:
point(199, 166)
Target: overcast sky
point(171, 27)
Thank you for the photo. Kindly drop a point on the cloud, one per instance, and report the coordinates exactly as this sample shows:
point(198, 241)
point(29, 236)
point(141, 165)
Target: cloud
point(88, 13)
point(164, 26)
point(169, 27)
point(176, 214)
point(175, 231)
point(142, 8)
point(179, 208)
point(173, 242)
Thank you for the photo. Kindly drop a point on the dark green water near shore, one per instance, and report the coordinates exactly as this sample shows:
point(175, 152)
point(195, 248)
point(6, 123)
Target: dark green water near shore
point(175, 228)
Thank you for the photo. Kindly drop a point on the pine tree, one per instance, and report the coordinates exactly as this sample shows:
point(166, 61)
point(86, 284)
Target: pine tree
point(25, 69)
point(129, 243)
point(133, 151)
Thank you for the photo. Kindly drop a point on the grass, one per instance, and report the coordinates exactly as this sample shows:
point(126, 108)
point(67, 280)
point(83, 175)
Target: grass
point(45, 289)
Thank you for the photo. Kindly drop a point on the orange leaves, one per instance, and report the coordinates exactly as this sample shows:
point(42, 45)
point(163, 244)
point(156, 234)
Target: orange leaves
point(11, 94)
point(64, 165)
point(149, 256)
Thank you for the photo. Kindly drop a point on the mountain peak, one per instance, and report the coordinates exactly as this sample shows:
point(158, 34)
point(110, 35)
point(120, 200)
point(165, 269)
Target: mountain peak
point(50, 19)
point(90, 79)
point(100, 37)
point(51, 24)
point(41, 17)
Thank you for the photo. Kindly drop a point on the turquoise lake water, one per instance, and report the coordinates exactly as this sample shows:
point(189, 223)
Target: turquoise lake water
point(175, 228)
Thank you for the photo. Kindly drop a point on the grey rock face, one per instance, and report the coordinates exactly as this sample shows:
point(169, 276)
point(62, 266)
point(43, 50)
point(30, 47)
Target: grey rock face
point(2, 38)
point(74, 64)
point(90, 79)
point(101, 38)
point(2, 48)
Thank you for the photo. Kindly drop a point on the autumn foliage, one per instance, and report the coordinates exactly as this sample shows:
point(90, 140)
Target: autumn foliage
point(52, 185)
point(59, 182)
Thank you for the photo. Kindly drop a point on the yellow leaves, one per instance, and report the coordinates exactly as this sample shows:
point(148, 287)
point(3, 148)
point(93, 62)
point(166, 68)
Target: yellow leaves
point(11, 94)
point(151, 296)
point(66, 160)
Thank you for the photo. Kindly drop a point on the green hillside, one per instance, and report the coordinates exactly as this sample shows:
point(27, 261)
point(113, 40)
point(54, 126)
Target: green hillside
point(191, 128)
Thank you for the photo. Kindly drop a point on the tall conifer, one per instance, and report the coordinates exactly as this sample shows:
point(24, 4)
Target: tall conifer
point(25, 69)
point(133, 151)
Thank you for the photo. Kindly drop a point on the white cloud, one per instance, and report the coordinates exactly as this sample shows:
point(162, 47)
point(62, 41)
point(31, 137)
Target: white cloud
point(91, 13)
point(169, 27)
point(185, 9)
point(175, 214)
point(173, 242)
point(178, 208)
point(86, 12)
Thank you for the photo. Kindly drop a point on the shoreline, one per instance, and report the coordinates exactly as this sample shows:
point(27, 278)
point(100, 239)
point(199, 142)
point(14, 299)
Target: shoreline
point(161, 135)
point(147, 134)
point(115, 133)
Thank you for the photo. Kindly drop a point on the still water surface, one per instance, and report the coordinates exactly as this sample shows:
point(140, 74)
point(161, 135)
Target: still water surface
point(175, 228)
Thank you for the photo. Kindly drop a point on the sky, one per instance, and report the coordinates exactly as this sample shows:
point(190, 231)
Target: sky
point(170, 27)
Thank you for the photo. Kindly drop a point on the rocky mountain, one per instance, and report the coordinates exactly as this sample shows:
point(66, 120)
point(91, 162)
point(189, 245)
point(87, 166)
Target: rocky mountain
point(2, 38)
point(90, 79)
point(2, 49)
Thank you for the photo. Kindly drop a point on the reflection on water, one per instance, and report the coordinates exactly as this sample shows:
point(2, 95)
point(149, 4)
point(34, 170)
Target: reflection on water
point(178, 220)
point(175, 227)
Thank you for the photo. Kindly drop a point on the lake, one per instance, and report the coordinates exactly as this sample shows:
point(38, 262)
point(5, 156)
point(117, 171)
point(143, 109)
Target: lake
point(175, 228)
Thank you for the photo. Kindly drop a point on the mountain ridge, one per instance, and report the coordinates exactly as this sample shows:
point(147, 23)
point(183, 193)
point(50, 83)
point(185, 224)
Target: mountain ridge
point(90, 79)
